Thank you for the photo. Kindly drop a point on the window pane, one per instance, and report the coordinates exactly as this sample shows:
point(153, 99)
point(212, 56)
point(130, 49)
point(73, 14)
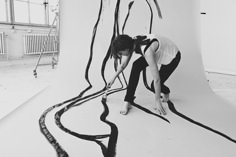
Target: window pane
point(3, 15)
point(37, 14)
point(21, 11)
point(53, 8)
point(37, 1)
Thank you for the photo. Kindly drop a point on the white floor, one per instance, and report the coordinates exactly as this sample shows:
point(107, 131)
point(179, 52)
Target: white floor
point(223, 85)
point(198, 122)
point(21, 124)
point(18, 83)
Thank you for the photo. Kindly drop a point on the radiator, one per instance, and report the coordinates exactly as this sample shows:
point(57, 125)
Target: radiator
point(38, 43)
point(2, 43)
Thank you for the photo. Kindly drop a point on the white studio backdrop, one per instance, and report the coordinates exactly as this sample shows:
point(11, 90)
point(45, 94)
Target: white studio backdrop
point(181, 23)
point(218, 35)
point(198, 122)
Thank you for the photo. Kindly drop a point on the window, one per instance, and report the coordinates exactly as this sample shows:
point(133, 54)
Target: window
point(53, 9)
point(21, 10)
point(3, 10)
point(37, 14)
point(30, 12)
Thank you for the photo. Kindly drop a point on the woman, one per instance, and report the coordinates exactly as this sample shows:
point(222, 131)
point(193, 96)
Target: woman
point(154, 50)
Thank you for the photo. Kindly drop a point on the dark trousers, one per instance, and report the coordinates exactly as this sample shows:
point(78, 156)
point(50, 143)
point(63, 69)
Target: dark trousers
point(139, 65)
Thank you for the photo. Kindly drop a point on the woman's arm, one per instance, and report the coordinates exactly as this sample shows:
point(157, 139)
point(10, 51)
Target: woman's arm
point(150, 58)
point(123, 65)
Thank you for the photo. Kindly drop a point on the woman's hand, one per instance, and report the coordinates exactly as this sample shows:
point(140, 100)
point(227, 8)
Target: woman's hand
point(159, 108)
point(110, 83)
point(125, 61)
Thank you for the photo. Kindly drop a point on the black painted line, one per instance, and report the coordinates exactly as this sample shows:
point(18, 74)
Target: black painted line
point(115, 67)
point(96, 94)
point(149, 112)
point(151, 18)
point(82, 136)
point(115, 90)
point(117, 17)
point(92, 43)
point(124, 79)
point(102, 146)
point(111, 149)
point(150, 31)
point(139, 106)
point(104, 62)
point(108, 54)
point(114, 133)
point(127, 16)
point(51, 139)
point(172, 108)
point(43, 128)
point(103, 68)
point(123, 28)
point(158, 9)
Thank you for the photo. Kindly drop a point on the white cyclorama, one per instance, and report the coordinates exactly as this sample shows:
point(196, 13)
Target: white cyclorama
point(202, 125)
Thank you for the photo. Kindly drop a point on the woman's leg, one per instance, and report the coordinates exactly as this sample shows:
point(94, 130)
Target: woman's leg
point(166, 70)
point(137, 67)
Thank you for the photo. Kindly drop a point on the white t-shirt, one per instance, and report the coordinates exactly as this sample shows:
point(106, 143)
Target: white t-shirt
point(166, 51)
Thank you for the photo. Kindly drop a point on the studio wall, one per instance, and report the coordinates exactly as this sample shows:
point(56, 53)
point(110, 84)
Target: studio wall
point(218, 35)
point(72, 119)
point(180, 22)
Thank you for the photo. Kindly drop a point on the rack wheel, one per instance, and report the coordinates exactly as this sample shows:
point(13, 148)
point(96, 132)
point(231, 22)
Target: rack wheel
point(35, 73)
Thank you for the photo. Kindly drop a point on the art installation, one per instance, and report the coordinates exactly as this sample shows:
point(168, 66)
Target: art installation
point(82, 116)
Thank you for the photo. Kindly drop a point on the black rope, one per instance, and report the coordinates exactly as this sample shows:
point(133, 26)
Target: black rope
point(127, 16)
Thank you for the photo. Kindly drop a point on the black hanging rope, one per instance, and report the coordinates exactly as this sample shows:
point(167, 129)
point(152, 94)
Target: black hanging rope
point(127, 16)
point(115, 31)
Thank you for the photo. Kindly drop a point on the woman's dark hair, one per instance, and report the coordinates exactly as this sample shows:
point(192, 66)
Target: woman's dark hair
point(120, 43)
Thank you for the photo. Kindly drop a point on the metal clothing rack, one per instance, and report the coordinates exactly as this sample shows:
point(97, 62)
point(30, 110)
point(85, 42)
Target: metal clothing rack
point(54, 59)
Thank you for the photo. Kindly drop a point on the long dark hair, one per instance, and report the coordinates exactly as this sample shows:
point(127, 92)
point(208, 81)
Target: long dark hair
point(120, 43)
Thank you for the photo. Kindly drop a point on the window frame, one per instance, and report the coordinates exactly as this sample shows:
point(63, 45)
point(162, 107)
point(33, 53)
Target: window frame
point(10, 19)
